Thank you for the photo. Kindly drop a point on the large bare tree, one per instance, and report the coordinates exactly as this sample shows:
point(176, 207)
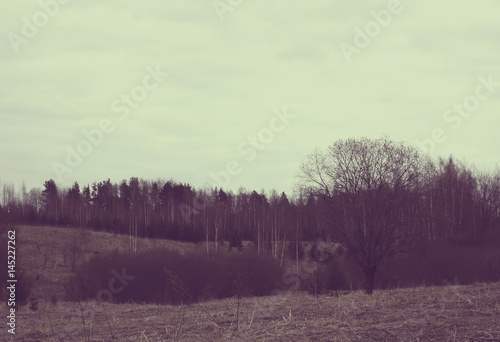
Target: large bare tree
point(373, 190)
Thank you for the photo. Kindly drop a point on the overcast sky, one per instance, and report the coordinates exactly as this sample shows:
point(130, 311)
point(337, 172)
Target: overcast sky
point(293, 74)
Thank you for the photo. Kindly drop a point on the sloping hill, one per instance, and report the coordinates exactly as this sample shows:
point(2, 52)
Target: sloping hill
point(49, 255)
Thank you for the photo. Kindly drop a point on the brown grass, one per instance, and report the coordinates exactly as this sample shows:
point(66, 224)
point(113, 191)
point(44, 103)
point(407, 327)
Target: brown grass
point(452, 313)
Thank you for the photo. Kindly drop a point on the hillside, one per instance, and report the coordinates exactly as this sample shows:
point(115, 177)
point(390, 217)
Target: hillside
point(48, 253)
point(450, 313)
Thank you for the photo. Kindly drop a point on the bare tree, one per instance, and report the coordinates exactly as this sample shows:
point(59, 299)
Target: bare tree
point(373, 190)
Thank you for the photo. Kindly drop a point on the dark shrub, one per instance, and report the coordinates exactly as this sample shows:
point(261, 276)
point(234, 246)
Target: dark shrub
point(327, 277)
point(439, 264)
point(167, 277)
point(24, 285)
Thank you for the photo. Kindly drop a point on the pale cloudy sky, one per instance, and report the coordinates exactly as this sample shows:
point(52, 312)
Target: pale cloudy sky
point(71, 66)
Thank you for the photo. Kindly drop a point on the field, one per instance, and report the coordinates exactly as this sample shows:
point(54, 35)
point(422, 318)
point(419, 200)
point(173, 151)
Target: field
point(450, 313)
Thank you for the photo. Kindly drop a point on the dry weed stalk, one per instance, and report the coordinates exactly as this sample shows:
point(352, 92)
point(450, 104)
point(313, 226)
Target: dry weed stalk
point(143, 334)
point(181, 323)
point(253, 315)
point(113, 337)
point(51, 328)
point(85, 337)
point(239, 291)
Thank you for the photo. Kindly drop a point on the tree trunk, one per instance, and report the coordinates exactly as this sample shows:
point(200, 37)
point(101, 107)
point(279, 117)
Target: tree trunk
point(370, 279)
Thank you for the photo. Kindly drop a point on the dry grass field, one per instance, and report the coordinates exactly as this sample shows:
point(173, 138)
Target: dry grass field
point(448, 313)
point(455, 313)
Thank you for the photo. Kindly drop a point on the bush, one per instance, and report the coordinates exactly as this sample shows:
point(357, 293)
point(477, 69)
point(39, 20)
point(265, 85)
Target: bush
point(439, 264)
point(24, 285)
point(166, 277)
point(326, 278)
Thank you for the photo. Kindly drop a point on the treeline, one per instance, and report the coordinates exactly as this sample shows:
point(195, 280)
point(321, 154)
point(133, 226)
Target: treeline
point(463, 206)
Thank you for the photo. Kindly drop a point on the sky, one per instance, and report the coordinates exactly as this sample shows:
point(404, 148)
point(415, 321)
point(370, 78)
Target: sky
point(236, 93)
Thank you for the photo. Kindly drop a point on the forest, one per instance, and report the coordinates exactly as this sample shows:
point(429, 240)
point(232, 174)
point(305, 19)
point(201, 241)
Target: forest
point(458, 203)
